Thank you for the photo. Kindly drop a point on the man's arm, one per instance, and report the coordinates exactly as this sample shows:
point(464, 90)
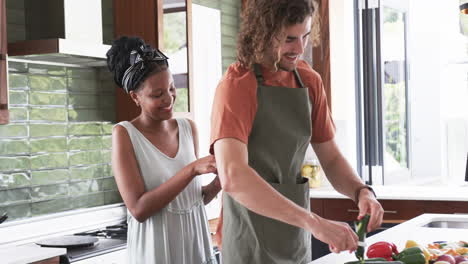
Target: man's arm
point(245, 186)
point(345, 180)
point(212, 189)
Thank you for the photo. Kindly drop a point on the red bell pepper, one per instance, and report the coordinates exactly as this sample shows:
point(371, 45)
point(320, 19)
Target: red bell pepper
point(394, 249)
point(382, 250)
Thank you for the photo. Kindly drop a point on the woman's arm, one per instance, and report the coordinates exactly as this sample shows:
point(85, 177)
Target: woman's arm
point(212, 189)
point(142, 204)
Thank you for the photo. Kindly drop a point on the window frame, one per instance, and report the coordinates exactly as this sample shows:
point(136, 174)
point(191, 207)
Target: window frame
point(4, 113)
point(369, 89)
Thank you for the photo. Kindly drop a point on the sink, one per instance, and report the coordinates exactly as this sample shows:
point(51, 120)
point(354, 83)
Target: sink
point(447, 224)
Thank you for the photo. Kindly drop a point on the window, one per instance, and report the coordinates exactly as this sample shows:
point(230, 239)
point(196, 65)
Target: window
point(175, 47)
point(412, 91)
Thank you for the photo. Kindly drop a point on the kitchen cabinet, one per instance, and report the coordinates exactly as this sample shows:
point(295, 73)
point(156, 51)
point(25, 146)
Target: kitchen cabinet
point(4, 115)
point(54, 260)
point(396, 211)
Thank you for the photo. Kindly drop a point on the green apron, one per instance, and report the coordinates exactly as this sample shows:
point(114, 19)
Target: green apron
point(277, 144)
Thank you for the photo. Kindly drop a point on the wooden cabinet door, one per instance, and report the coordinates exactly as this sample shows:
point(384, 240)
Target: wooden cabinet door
point(347, 211)
point(445, 207)
point(54, 260)
point(4, 115)
point(135, 18)
point(395, 210)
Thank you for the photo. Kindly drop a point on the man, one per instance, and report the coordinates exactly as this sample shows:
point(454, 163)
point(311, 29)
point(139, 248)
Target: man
point(268, 107)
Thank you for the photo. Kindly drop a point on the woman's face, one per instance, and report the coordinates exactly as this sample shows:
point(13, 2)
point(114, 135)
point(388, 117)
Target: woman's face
point(156, 96)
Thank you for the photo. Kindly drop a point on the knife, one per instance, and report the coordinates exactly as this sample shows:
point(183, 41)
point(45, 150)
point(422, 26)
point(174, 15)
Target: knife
point(3, 217)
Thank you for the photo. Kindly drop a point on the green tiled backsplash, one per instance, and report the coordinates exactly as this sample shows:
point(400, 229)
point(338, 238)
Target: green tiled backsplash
point(55, 153)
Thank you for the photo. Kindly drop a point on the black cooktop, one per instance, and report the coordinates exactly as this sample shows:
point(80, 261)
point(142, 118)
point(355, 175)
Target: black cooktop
point(103, 246)
point(110, 238)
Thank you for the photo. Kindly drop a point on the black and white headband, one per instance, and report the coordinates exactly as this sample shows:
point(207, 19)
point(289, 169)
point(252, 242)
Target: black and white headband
point(137, 70)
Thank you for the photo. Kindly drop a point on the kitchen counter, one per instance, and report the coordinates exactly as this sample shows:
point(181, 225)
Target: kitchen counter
point(29, 253)
point(409, 230)
point(395, 192)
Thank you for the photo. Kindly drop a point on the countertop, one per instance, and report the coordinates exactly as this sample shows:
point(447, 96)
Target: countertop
point(409, 230)
point(400, 192)
point(29, 253)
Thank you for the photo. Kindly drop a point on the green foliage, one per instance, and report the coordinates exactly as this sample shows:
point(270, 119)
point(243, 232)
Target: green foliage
point(395, 122)
point(175, 33)
point(390, 15)
point(181, 103)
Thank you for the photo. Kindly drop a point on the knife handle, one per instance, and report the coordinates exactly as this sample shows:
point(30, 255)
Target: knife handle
point(3, 217)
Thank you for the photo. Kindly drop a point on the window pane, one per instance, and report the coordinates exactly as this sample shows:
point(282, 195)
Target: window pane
point(175, 47)
point(394, 91)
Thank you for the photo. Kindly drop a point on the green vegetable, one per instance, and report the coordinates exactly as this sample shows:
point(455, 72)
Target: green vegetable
point(412, 255)
point(370, 259)
point(361, 231)
point(385, 262)
point(374, 261)
point(413, 259)
point(410, 251)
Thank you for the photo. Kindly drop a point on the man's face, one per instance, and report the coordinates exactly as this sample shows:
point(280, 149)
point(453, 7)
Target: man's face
point(293, 44)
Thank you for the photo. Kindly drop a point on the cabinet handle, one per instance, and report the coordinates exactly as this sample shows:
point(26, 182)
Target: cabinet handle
point(385, 212)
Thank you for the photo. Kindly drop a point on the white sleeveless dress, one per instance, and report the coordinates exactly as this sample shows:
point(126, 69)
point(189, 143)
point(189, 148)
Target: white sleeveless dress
point(178, 234)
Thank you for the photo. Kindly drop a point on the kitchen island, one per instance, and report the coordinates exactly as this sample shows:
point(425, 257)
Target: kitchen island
point(413, 229)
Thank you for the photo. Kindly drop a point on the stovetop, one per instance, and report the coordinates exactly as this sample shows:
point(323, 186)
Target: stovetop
point(110, 238)
point(114, 231)
point(103, 246)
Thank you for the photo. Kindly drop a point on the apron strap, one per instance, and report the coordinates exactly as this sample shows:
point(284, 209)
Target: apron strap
point(298, 78)
point(258, 74)
point(260, 79)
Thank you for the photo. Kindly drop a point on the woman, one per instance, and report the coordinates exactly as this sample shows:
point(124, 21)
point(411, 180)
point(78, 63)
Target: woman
point(154, 159)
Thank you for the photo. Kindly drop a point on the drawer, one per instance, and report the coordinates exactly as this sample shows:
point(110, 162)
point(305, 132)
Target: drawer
point(445, 207)
point(346, 210)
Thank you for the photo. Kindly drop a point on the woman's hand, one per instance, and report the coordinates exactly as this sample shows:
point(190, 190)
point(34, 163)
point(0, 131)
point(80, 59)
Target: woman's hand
point(338, 235)
point(204, 165)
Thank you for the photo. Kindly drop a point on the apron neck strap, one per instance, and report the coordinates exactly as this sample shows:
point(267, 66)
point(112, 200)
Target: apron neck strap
point(298, 79)
point(258, 74)
point(260, 79)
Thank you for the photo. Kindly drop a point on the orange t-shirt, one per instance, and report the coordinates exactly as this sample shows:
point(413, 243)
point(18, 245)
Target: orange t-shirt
point(235, 102)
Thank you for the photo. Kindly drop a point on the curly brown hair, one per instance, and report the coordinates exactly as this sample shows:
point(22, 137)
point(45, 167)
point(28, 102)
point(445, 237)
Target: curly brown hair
point(262, 23)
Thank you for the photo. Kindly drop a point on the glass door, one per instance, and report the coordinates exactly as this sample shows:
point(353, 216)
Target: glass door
point(383, 90)
point(394, 89)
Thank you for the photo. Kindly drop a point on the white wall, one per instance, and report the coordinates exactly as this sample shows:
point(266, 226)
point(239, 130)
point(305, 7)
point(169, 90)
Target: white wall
point(342, 79)
point(343, 76)
point(424, 46)
point(206, 38)
point(438, 90)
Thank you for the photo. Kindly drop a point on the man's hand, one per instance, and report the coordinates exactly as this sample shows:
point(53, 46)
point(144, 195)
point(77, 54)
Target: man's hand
point(369, 205)
point(339, 236)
